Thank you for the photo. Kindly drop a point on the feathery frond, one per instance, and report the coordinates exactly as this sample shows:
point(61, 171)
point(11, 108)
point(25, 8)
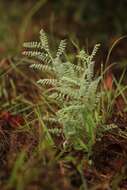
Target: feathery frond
point(61, 49)
point(48, 82)
point(44, 40)
point(34, 45)
point(41, 56)
point(94, 52)
point(41, 67)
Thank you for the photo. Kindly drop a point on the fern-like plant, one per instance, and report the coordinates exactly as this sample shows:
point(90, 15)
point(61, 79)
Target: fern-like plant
point(73, 86)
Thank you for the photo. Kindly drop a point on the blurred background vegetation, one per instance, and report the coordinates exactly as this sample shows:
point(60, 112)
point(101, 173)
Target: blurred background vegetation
point(84, 23)
point(86, 20)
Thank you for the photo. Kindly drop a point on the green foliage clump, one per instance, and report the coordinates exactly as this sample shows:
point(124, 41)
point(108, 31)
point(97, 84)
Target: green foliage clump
point(73, 86)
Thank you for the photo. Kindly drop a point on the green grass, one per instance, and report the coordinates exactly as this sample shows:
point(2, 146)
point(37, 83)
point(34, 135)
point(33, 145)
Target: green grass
point(66, 119)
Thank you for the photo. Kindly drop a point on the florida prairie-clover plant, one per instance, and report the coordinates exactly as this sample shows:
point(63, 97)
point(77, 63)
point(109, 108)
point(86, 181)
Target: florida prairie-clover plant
point(73, 86)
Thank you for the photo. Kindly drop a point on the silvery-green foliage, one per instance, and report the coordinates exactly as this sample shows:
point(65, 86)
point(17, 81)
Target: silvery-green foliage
point(74, 87)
